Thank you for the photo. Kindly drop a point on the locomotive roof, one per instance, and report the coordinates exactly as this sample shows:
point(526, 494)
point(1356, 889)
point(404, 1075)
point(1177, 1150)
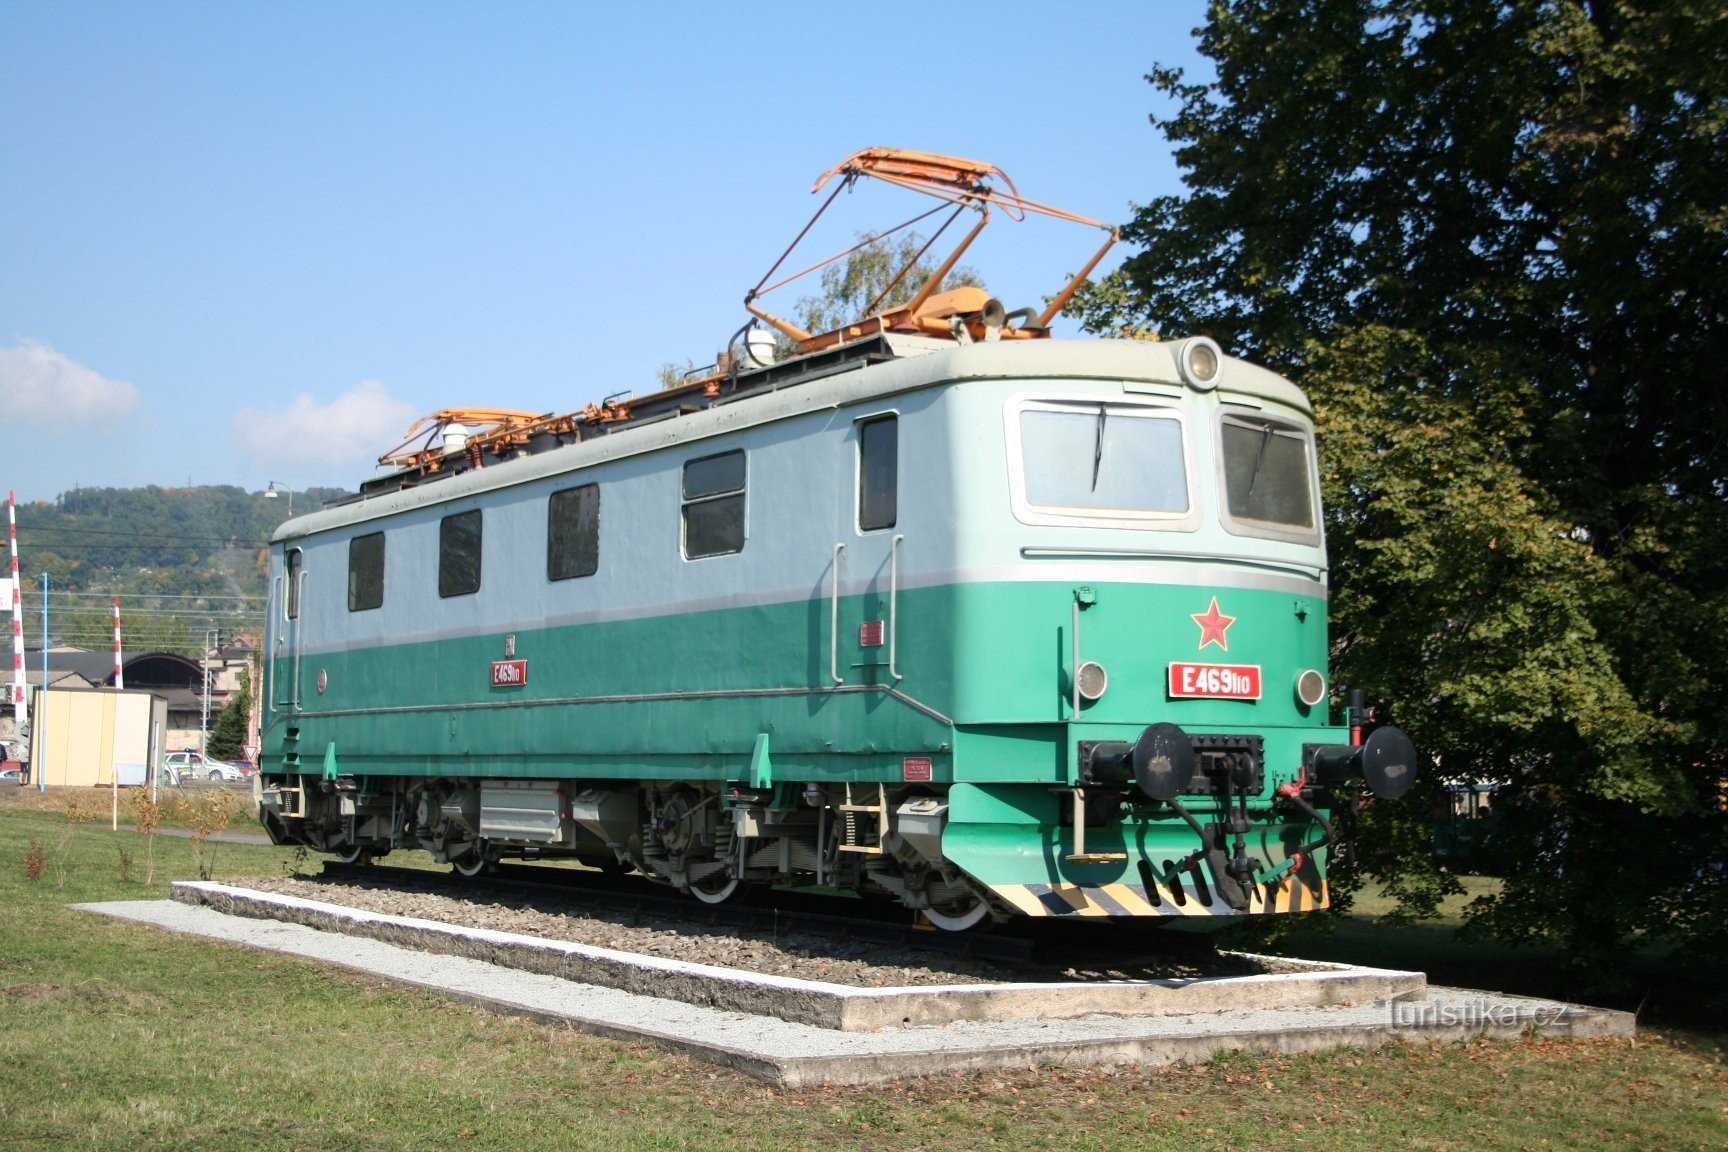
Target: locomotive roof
point(857, 382)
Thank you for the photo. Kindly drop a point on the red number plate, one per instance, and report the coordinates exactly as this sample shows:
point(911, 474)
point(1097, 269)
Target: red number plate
point(915, 768)
point(1215, 681)
point(509, 673)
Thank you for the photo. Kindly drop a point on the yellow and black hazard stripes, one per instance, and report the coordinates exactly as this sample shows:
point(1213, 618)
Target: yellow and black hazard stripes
point(1292, 894)
point(1296, 893)
point(1080, 900)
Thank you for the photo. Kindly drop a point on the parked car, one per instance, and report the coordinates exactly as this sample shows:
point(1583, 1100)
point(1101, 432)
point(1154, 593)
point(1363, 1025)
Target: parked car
point(219, 770)
point(246, 767)
point(189, 765)
point(11, 776)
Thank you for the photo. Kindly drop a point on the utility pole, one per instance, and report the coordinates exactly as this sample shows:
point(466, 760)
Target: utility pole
point(212, 637)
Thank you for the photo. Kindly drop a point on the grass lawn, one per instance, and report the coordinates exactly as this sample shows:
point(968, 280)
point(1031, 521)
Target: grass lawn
point(115, 1035)
point(187, 807)
point(1369, 936)
point(1659, 987)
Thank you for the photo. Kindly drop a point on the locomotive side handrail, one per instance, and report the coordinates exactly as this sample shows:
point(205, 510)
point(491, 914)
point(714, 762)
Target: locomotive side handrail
point(894, 605)
point(300, 600)
point(273, 685)
point(1074, 661)
point(834, 621)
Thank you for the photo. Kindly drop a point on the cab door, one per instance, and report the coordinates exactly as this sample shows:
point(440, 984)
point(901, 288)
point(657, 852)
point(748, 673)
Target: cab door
point(285, 594)
point(864, 603)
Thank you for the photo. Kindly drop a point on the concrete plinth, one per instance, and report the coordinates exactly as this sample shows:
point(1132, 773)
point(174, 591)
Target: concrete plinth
point(816, 1002)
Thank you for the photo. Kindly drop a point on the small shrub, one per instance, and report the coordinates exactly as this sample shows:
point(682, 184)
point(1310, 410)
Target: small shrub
point(125, 866)
point(176, 806)
point(210, 816)
point(33, 860)
point(148, 814)
point(74, 814)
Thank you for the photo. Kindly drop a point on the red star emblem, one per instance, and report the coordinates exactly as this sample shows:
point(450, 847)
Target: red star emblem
point(1213, 626)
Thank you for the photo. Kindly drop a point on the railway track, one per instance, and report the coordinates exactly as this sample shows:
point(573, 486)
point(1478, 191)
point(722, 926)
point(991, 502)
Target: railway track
point(778, 913)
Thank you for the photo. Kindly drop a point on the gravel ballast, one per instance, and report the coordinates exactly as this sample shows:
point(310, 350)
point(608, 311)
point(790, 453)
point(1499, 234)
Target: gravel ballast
point(800, 955)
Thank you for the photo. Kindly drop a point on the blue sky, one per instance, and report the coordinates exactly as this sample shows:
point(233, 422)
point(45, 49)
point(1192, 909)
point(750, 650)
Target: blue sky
point(244, 242)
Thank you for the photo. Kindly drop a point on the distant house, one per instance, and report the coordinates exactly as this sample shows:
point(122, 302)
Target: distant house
point(57, 678)
point(229, 661)
point(178, 679)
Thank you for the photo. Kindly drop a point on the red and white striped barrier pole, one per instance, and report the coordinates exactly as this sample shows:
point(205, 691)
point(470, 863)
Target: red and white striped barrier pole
point(20, 697)
point(119, 677)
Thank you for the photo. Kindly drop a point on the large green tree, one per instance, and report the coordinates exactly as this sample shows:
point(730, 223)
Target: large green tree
point(1488, 237)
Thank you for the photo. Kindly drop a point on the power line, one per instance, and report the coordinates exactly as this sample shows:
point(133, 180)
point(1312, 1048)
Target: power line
point(140, 619)
point(242, 596)
point(131, 607)
point(25, 530)
point(201, 623)
point(197, 549)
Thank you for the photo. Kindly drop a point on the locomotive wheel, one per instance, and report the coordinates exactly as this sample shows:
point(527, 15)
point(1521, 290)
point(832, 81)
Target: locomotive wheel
point(959, 915)
point(354, 854)
point(718, 888)
point(474, 863)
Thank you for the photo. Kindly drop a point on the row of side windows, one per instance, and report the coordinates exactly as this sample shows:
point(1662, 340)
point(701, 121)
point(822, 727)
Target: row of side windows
point(572, 549)
point(712, 507)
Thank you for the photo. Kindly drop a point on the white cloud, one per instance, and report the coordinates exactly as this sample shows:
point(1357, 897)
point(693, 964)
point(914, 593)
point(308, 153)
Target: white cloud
point(349, 433)
point(39, 386)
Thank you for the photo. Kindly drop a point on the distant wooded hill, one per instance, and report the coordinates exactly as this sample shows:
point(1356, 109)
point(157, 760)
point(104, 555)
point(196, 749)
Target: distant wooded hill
point(184, 562)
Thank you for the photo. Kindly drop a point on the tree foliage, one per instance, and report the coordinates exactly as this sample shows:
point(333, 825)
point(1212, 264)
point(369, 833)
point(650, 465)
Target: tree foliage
point(858, 284)
point(1488, 237)
point(670, 374)
point(865, 282)
point(181, 559)
point(228, 735)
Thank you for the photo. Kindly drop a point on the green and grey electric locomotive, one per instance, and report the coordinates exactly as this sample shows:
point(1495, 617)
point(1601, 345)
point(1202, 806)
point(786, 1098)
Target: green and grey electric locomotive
point(936, 609)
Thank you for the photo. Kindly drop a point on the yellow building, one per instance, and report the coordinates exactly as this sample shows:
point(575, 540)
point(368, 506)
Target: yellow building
point(88, 736)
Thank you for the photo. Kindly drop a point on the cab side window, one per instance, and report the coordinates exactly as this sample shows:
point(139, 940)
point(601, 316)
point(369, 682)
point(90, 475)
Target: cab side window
point(878, 473)
point(366, 572)
point(713, 505)
point(573, 533)
point(291, 593)
point(459, 554)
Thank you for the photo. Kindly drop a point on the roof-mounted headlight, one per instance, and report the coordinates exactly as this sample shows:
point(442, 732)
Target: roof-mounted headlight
point(1200, 362)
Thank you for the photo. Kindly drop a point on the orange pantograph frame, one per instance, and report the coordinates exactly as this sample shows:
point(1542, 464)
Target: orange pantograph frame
point(954, 180)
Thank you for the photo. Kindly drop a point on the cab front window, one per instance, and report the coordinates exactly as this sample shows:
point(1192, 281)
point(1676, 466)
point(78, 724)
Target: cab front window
point(1268, 478)
point(1100, 463)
